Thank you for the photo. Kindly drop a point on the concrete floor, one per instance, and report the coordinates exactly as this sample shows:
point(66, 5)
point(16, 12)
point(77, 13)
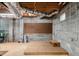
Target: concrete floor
point(14, 49)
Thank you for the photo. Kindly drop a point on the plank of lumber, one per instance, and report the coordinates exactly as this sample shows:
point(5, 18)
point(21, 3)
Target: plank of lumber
point(2, 52)
point(55, 43)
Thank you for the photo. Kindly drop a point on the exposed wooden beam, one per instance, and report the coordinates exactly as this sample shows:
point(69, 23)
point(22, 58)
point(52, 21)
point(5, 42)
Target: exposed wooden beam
point(42, 6)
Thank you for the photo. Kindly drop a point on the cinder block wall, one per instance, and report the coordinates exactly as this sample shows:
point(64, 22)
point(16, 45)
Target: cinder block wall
point(6, 24)
point(67, 31)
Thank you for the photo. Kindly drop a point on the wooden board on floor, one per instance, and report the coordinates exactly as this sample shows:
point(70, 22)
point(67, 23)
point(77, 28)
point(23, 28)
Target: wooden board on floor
point(55, 43)
point(3, 52)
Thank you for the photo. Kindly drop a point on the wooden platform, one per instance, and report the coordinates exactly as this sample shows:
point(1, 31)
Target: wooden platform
point(43, 48)
point(45, 51)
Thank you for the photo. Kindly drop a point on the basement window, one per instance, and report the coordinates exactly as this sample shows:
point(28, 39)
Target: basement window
point(63, 17)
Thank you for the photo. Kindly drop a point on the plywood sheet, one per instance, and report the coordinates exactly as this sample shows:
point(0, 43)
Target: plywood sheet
point(38, 28)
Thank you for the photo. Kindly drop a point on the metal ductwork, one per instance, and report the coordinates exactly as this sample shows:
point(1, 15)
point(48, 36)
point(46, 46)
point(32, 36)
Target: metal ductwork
point(43, 14)
point(35, 12)
point(53, 13)
point(14, 10)
point(50, 15)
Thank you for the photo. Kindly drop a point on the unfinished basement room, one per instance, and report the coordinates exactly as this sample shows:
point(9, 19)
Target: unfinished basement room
point(39, 28)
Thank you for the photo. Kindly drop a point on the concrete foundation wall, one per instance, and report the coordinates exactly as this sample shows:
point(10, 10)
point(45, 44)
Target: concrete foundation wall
point(67, 31)
point(18, 30)
point(19, 35)
point(6, 24)
point(38, 36)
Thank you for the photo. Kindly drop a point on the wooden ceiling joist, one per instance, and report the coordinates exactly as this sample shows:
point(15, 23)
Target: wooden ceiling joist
point(42, 6)
point(3, 8)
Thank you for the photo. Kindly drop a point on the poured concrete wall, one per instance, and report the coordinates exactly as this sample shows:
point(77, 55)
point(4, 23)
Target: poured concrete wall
point(67, 31)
